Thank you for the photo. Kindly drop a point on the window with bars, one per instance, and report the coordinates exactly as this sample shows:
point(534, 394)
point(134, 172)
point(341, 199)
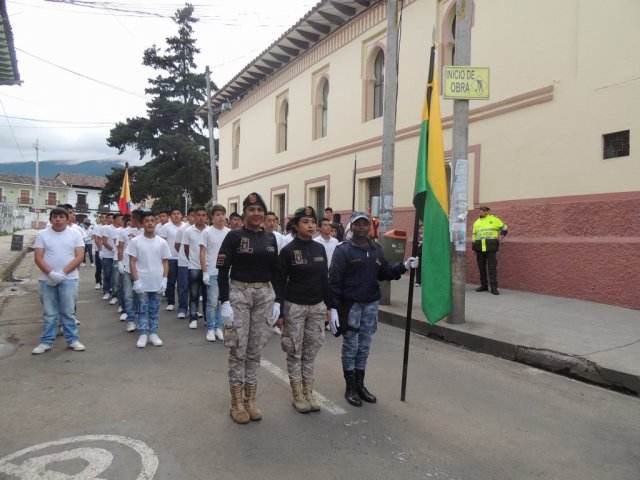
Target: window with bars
point(615, 145)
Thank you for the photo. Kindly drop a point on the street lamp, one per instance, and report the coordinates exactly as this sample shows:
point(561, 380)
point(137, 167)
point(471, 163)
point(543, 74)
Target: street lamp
point(187, 196)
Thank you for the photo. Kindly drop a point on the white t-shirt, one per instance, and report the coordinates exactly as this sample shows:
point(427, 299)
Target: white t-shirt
point(183, 261)
point(87, 234)
point(329, 245)
point(59, 248)
point(97, 233)
point(286, 239)
point(279, 240)
point(192, 237)
point(126, 234)
point(168, 232)
point(149, 253)
point(107, 239)
point(212, 240)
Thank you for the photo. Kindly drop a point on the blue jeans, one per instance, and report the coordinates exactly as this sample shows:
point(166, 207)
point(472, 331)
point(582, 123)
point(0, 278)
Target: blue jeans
point(131, 305)
point(107, 275)
point(149, 312)
point(196, 288)
point(121, 290)
point(171, 282)
point(59, 301)
point(98, 275)
point(88, 249)
point(183, 289)
point(214, 309)
point(115, 280)
point(356, 341)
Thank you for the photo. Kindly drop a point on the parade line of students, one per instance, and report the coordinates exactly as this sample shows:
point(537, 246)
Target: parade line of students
point(249, 280)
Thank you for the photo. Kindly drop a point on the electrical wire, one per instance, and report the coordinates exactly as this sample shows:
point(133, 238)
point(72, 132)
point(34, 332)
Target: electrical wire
point(57, 121)
point(12, 132)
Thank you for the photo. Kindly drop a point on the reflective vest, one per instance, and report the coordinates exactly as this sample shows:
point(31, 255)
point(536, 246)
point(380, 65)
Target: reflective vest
point(486, 232)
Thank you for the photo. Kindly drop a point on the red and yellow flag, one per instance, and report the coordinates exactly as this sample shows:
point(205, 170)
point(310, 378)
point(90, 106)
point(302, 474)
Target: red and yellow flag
point(124, 203)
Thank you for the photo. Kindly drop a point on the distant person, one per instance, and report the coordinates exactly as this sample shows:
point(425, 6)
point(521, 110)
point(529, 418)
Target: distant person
point(487, 231)
point(183, 267)
point(235, 221)
point(330, 243)
point(101, 220)
point(58, 252)
point(148, 259)
point(271, 225)
point(337, 219)
point(87, 237)
point(130, 302)
point(169, 231)
point(191, 241)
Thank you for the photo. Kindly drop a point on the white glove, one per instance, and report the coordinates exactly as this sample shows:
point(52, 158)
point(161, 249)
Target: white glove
point(57, 277)
point(276, 314)
point(51, 283)
point(137, 287)
point(100, 254)
point(411, 262)
point(206, 279)
point(121, 267)
point(163, 286)
point(334, 323)
point(227, 314)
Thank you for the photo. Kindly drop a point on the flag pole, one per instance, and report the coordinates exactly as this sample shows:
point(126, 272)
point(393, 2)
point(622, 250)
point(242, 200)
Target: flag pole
point(414, 251)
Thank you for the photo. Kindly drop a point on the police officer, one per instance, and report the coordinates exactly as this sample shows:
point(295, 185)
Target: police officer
point(248, 308)
point(487, 231)
point(357, 266)
point(304, 267)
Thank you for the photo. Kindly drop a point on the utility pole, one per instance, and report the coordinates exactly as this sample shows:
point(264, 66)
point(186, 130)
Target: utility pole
point(212, 143)
point(389, 131)
point(460, 147)
point(36, 205)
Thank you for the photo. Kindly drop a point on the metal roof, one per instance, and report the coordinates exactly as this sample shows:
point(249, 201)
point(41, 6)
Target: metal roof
point(8, 64)
point(320, 22)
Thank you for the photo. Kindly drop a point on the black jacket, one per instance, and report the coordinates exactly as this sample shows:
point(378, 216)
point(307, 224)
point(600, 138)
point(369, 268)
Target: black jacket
point(305, 276)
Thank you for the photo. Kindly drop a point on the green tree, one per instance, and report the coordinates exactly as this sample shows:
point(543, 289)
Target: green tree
point(172, 133)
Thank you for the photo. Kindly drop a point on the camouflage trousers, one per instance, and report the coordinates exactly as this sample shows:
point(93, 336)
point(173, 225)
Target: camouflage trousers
point(252, 309)
point(302, 337)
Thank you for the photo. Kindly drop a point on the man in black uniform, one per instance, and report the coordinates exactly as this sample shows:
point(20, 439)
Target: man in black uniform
point(248, 308)
point(303, 262)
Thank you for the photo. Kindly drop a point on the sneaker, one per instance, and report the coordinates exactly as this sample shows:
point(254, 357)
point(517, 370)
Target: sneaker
point(211, 335)
point(83, 264)
point(123, 317)
point(77, 322)
point(77, 346)
point(106, 296)
point(169, 308)
point(113, 301)
point(181, 315)
point(199, 315)
point(142, 341)
point(155, 340)
point(40, 349)
point(93, 264)
point(276, 330)
point(98, 286)
point(131, 327)
point(119, 308)
point(219, 334)
point(193, 324)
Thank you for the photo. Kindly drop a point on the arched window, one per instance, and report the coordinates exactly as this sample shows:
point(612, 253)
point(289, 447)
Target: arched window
point(321, 109)
point(236, 146)
point(283, 126)
point(378, 86)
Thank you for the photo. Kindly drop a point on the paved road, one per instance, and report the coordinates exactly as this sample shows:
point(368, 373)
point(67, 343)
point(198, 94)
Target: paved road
point(164, 411)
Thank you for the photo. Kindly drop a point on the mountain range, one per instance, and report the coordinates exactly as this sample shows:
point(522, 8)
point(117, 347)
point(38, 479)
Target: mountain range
point(50, 168)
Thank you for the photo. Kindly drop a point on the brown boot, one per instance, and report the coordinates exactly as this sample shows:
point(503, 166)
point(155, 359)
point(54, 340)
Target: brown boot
point(250, 401)
point(299, 401)
point(238, 412)
point(307, 388)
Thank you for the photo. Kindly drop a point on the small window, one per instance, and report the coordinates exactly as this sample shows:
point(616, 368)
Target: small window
point(233, 207)
point(52, 199)
point(283, 126)
point(321, 109)
point(25, 196)
point(317, 198)
point(615, 145)
point(378, 86)
point(325, 107)
point(235, 163)
point(279, 203)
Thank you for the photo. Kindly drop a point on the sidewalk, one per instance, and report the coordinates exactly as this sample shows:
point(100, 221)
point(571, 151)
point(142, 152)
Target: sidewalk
point(589, 341)
point(9, 259)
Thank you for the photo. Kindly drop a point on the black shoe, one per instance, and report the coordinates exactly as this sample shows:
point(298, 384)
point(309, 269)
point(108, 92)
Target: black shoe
point(495, 291)
point(351, 394)
point(482, 289)
point(364, 394)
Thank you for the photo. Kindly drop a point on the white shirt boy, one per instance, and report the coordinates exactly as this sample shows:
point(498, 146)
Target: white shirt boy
point(212, 240)
point(59, 249)
point(149, 253)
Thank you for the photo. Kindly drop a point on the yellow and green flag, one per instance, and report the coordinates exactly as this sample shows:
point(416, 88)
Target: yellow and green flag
point(432, 206)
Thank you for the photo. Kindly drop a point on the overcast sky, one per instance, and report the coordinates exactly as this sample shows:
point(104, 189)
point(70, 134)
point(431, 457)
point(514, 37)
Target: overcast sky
point(106, 44)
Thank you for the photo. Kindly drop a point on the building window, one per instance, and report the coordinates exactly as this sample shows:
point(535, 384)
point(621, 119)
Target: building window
point(279, 203)
point(2, 199)
point(81, 202)
point(448, 53)
point(233, 207)
point(317, 199)
point(52, 199)
point(615, 145)
point(378, 85)
point(283, 126)
point(235, 163)
point(25, 196)
point(321, 108)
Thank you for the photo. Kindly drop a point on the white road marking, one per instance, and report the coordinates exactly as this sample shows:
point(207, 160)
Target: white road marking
point(99, 459)
point(324, 402)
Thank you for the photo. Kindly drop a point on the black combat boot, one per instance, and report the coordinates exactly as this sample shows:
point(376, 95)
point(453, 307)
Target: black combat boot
point(365, 394)
point(351, 394)
point(495, 291)
point(482, 289)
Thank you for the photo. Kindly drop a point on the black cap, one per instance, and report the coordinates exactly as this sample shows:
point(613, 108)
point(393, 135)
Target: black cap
point(254, 199)
point(302, 212)
point(484, 207)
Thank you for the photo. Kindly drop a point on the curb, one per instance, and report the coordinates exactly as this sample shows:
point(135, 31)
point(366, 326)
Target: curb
point(573, 366)
point(6, 274)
